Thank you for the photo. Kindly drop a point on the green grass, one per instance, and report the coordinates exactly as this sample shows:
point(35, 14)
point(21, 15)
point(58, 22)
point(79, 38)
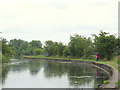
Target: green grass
point(113, 62)
point(106, 82)
point(119, 68)
point(118, 84)
point(61, 58)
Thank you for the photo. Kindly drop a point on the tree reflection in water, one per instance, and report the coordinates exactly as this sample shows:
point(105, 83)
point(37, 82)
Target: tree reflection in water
point(77, 73)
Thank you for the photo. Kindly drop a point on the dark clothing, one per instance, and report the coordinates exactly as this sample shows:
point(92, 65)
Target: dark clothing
point(97, 59)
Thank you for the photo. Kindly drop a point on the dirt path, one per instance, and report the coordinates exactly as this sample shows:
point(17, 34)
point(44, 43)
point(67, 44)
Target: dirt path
point(113, 79)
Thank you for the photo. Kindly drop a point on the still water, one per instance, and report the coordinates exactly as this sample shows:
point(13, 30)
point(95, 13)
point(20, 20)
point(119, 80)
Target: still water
point(50, 74)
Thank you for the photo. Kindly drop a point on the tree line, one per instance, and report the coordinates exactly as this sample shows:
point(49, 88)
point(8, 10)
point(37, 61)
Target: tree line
point(79, 46)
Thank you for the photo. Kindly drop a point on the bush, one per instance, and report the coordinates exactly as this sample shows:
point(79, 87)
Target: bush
point(5, 59)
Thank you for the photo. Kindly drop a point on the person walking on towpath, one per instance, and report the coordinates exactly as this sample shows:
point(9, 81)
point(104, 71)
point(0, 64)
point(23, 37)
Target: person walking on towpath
point(97, 56)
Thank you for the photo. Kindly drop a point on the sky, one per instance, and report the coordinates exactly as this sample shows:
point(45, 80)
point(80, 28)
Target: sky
point(56, 20)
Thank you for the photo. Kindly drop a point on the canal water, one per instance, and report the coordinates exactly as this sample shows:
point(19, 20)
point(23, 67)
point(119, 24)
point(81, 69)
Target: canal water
point(50, 74)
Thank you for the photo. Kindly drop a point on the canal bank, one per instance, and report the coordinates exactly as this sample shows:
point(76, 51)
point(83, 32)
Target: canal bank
point(113, 72)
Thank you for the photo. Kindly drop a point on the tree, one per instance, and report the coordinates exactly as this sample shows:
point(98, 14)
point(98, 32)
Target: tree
point(66, 51)
point(49, 45)
point(105, 44)
point(5, 48)
point(6, 51)
point(89, 50)
point(60, 47)
point(79, 46)
point(54, 48)
point(36, 44)
point(18, 47)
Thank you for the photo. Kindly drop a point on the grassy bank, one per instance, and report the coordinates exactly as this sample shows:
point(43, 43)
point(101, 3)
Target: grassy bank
point(113, 62)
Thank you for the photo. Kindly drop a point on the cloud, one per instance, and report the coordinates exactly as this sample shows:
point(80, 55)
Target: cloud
point(56, 20)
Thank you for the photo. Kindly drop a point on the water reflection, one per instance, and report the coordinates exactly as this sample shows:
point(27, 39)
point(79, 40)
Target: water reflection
point(51, 74)
point(34, 67)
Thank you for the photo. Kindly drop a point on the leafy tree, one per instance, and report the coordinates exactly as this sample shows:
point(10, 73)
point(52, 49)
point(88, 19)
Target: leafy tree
point(105, 44)
point(79, 46)
point(36, 51)
point(30, 51)
point(66, 51)
point(5, 48)
point(36, 44)
point(89, 50)
point(58, 48)
point(18, 47)
point(54, 48)
point(49, 45)
point(5, 51)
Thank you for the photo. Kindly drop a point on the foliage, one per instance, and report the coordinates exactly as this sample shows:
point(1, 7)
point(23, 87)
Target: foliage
point(118, 46)
point(106, 45)
point(36, 44)
point(5, 47)
point(54, 48)
point(49, 47)
point(81, 46)
point(66, 51)
point(5, 59)
point(6, 51)
point(20, 47)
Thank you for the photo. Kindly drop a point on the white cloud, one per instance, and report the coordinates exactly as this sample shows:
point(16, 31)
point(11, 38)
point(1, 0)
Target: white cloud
point(56, 20)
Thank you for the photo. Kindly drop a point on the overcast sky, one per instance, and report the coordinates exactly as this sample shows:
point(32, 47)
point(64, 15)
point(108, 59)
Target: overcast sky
point(57, 19)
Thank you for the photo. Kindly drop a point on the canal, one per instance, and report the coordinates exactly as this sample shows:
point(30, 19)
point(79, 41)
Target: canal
point(51, 74)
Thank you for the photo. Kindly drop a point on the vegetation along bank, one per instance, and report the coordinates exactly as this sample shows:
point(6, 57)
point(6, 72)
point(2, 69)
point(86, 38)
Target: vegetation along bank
point(79, 47)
